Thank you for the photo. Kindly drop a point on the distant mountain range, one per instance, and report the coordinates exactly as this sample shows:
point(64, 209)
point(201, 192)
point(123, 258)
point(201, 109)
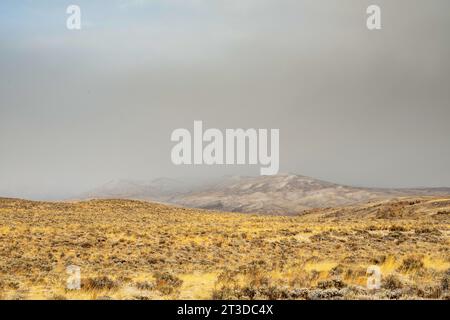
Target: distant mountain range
point(280, 194)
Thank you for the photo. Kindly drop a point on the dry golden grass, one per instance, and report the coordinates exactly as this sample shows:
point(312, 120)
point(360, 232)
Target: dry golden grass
point(138, 250)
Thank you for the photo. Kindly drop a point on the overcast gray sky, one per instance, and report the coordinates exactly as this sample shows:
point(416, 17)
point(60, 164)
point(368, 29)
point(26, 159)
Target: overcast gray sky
point(359, 107)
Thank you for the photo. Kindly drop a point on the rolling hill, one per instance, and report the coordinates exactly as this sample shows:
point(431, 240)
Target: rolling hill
point(128, 249)
point(280, 195)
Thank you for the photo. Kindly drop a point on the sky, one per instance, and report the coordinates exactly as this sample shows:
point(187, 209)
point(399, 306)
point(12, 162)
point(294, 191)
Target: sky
point(79, 108)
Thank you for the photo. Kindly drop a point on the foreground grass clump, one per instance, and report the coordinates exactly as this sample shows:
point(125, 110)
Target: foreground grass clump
point(138, 250)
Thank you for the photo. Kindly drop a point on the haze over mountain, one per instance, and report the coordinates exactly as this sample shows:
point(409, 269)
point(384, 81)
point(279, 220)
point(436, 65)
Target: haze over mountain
point(281, 194)
point(157, 190)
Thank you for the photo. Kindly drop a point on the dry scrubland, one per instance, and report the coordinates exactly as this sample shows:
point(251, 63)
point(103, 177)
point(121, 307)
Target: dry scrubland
point(137, 250)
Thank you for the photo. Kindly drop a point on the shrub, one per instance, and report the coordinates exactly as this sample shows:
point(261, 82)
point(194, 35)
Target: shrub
point(224, 293)
point(99, 283)
point(412, 263)
point(445, 281)
point(392, 282)
point(144, 285)
point(330, 284)
point(166, 282)
point(327, 294)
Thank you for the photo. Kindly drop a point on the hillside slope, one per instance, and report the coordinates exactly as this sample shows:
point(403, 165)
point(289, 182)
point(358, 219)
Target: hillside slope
point(139, 250)
point(279, 195)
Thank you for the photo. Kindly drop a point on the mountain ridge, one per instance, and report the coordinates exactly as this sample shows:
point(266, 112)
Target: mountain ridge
point(283, 194)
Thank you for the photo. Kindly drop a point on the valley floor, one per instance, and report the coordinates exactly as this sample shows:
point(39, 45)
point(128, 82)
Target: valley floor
point(138, 250)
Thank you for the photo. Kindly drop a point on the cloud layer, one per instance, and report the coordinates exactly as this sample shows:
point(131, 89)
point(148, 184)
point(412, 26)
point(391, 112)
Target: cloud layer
point(353, 106)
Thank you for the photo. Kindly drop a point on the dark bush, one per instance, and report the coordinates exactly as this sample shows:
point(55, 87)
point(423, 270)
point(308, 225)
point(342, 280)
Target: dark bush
point(412, 263)
point(99, 283)
point(166, 282)
point(392, 282)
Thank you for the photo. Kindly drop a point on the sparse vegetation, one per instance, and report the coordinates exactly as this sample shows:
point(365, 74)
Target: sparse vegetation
point(411, 264)
point(138, 250)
